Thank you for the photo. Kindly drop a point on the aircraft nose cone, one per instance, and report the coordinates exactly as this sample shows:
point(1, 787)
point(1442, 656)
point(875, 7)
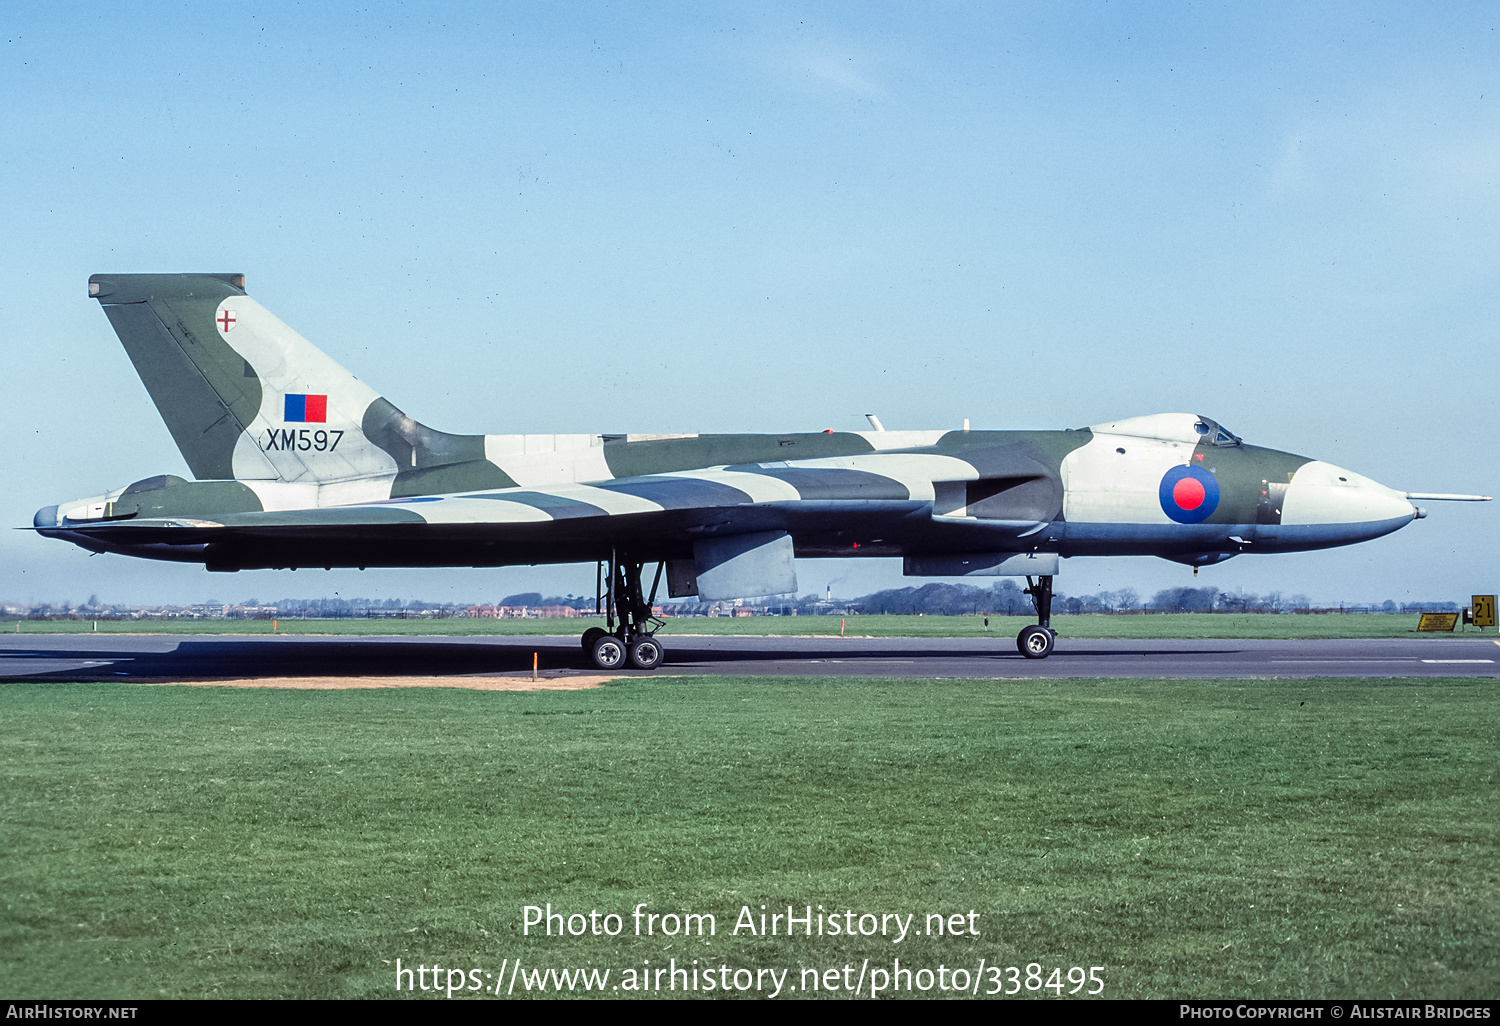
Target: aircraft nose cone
point(45, 517)
point(1321, 493)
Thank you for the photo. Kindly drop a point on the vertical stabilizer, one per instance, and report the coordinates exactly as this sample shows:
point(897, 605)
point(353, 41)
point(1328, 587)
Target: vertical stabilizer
point(198, 384)
point(243, 395)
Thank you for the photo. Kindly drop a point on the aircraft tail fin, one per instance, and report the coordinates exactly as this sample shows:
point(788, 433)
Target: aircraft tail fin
point(246, 397)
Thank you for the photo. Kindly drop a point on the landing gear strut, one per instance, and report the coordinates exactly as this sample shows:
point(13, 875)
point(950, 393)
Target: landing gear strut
point(627, 609)
point(1036, 642)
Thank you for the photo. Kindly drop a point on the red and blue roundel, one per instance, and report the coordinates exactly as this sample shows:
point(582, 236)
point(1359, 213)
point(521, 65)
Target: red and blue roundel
point(1189, 495)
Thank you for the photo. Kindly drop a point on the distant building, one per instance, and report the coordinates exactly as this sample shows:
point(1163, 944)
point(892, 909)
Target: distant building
point(522, 612)
point(252, 612)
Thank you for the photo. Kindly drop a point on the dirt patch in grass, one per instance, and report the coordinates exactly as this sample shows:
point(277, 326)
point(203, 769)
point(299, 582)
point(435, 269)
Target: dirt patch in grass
point(349, 683)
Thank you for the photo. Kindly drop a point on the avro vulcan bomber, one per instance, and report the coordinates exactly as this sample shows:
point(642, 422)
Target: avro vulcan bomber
point(297, 463)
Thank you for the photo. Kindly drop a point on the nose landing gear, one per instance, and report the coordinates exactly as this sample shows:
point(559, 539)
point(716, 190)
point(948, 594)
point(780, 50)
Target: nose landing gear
point(1036, 642)
point(632, 640)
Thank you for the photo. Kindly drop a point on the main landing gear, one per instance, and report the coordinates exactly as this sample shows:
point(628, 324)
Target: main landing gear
point(1036, 642)
point(631, 640)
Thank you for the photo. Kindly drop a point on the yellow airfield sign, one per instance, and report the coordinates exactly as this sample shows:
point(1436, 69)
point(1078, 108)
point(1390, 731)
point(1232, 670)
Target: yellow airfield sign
point(1484, 610)
point(1437, 622)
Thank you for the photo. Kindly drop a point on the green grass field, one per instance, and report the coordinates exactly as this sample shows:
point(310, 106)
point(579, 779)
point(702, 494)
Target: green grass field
point(1089, 625)
point(1312, 838)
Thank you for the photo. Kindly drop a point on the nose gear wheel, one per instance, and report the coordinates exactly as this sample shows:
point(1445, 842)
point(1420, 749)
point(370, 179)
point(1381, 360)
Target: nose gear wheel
point(1036, 642)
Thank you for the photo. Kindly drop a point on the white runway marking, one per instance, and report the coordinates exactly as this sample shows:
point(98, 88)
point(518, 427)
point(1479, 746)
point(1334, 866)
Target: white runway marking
point(873, 659)
point(1368, 659)
point(1458, 660)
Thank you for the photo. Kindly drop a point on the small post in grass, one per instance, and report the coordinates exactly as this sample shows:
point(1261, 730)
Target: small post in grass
point(533, 666)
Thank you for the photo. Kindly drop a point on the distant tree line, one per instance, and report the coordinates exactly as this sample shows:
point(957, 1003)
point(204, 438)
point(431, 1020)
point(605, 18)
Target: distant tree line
point(337, 608)
point(1004, 597)
point(948, 600)
point(1007, 597)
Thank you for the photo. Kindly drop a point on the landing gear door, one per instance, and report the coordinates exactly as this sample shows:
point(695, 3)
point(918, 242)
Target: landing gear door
point(744, 565)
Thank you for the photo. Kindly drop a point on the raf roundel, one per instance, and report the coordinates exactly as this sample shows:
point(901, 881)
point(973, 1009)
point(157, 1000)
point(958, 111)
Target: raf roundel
point(1189, 495)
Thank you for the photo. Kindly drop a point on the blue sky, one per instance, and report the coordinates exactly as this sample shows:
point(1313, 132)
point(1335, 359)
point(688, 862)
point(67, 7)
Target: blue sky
point(737, 218)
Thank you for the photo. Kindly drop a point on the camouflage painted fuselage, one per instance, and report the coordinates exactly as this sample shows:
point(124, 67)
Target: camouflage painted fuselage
point(299, 464)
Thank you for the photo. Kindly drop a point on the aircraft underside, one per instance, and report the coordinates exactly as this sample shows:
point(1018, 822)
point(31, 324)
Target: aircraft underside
point(859, 530)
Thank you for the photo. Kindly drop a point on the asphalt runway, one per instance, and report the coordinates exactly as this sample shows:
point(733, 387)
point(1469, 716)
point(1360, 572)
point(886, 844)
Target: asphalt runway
point(147, 657)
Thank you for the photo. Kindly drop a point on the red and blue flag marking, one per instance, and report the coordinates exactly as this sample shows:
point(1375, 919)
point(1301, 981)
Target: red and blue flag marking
point(1189, 495)
point(306, 409)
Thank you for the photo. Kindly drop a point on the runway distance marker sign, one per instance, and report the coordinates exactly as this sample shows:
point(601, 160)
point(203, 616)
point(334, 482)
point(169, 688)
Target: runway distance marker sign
point(1484, 610)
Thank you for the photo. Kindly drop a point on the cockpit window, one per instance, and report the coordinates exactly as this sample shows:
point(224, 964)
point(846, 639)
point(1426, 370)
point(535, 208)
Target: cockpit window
point(1214, 434)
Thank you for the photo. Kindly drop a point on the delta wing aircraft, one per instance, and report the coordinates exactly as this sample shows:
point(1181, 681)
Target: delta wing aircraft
point(300, 464)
